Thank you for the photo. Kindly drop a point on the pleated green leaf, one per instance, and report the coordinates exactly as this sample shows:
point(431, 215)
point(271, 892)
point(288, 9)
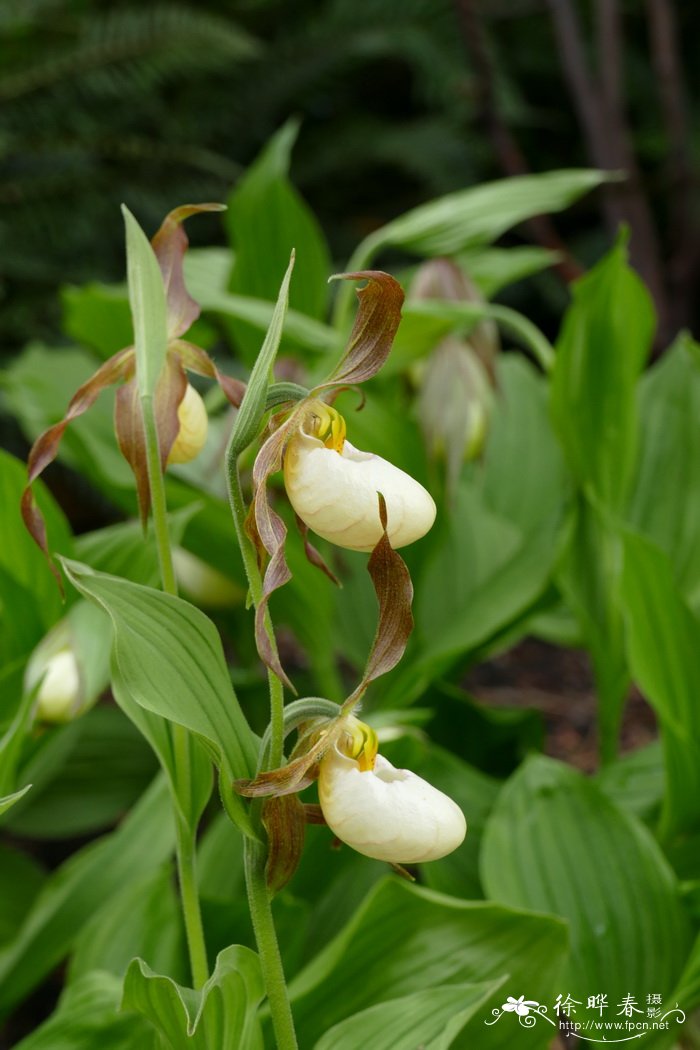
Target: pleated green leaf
point(663, 640)
point(222, 1014)
point(555, 843)
point(170, 661)
point(430, 1019)
point(78, 888)
point(404, 939)
point(88, 1018)
point(601, 350)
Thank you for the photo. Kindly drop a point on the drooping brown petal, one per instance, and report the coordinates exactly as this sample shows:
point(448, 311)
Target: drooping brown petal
point(45, 448)
point(197, 360)
point(284, 820)
point(268, 531)
point(314, 813)
point(374, 329)
point(128, 420)
point(170, 244)
point(312, 554)
point(295, 775)
point(394, 590)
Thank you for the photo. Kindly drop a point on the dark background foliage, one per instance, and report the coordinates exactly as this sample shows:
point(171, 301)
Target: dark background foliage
point(399, 101)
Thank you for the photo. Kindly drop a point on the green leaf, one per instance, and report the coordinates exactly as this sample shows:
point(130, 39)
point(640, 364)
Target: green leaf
point(221, 1014)
point(601, 350)
point(85, 776)
point(247, 423)
point(30, 602)
point(21, 878)
point(405, 938)
point(88, 1018)
point(662, 646)
point(430, 1018)
point(97, 315)
point(492, 269)
point(191, 793)
point(266, 220)
point(170, 661)
point(665, 502)
point(480, 214)
point(636, 781)
point(148, 307)
point(79, 887)
point(143, 919)
point(9, 800)
point(555, 843)
point(588, 576)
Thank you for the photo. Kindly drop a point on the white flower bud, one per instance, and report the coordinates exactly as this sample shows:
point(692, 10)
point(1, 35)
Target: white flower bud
point(334, 491)
point(194, 423)
point(203, 583)
point(386, 813)
point(59, 694)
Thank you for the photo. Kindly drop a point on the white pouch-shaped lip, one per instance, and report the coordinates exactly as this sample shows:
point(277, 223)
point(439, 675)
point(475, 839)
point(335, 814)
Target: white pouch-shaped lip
point(335, 494)
point(194, 424)
point(387, 813)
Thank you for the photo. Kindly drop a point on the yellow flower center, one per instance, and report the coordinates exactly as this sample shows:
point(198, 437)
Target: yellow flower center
point(360, 743)
point(328, 425)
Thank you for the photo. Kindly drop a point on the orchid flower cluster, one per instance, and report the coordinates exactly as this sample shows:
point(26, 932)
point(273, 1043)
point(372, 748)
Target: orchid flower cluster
point(351, 498)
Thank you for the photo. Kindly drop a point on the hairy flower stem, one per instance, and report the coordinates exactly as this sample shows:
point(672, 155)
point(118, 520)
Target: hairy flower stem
point(186, 850)
point(256, 852)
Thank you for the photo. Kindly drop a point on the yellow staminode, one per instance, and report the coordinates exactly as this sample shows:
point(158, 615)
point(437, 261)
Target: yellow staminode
point(328, 425)
point(361, 743)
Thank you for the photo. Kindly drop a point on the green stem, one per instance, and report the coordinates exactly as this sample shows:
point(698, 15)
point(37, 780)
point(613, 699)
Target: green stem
point(255, 851)
point(268, 948)
point(186, 850)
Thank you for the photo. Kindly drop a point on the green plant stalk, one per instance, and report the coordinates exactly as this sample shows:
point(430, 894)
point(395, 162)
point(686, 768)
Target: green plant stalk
point(255, 851)
point(186, 851)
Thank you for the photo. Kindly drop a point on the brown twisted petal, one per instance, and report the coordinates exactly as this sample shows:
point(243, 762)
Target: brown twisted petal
point(197, 360)
point(45, 448)
point(373, 332)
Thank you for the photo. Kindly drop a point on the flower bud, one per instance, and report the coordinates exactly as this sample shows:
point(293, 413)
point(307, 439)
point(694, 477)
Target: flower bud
point(194, 424)
point(204, 584)
point(60, 693)
point(333, 488)
point(386, 813)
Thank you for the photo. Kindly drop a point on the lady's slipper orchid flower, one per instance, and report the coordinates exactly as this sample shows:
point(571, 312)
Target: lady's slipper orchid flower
point(333, 487)
point(179, 411)
point(382, 812)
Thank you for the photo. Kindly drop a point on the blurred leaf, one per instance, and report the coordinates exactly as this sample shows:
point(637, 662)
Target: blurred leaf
point(430, 1018)
point(266, 220)
point(79, 887)
point(636, 781)
point(404, 938)
point(97, 316)
point(142, 919)
point(87, 784)
point(555, 843)
point(170, 662)
point(588, 576)
point(603, 344)
point(222, 1013)
point(662, 646)
point(88, 1018)
point(478, 215)
point(494, 268)
point(665, 502)
point(30, 601)
point(21, 878)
